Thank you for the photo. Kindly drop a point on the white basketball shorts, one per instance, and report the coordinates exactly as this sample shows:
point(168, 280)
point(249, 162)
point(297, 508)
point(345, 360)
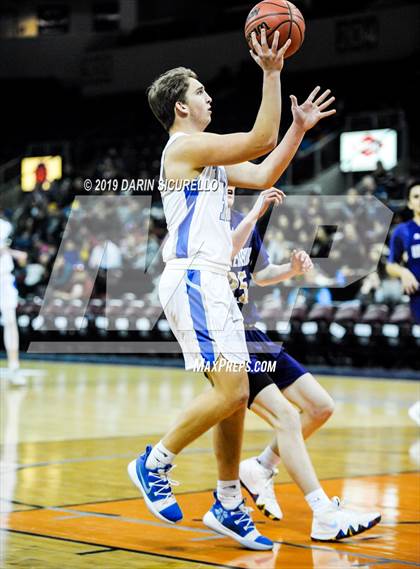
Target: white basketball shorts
point(203, 315)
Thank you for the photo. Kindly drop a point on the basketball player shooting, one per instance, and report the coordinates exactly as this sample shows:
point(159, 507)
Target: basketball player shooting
point(194, 288)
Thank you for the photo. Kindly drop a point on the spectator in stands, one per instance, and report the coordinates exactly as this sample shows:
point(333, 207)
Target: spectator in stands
point(385, 181)
point(368, 187)
point(79, 286)
point(105, 255)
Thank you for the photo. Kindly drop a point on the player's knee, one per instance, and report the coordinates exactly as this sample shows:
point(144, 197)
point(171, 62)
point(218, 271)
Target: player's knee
point(322, 411)
point(287, 420)
point(240, 396)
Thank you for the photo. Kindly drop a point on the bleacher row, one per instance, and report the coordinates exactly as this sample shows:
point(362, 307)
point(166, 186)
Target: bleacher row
point(318, 333)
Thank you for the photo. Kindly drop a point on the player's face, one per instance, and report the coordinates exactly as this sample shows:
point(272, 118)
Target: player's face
point(231, 196)
point(414, 200)
point(199, 104)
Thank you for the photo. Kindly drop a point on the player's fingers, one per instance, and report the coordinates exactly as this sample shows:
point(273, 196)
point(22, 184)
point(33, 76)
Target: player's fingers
point(294, 101)
point(255, 57)
point(275, 200)
point(282, 51)
point(263, 39)
point(279, 193)
point(275, 43)
point(256, 45)
point(313, 94)
point(322, 97)
point(274, 192)
point(328, 113)
point(326, 104)
point(284, 48)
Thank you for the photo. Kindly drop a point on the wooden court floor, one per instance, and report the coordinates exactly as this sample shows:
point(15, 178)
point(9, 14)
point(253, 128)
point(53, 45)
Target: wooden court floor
point(66, 501)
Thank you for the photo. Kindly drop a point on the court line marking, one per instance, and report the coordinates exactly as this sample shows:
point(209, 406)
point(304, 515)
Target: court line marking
point(211, 564)
point(32, 507)
point(381, 560)
point(183, 493)
point(107, 550)
point(78, 513)
point(83, 514)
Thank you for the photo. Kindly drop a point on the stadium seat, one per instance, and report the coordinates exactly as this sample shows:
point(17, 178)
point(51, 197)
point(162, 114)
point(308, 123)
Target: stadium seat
point(321, 312)
point(376, 313)
point(348, 313)
point(401, 314)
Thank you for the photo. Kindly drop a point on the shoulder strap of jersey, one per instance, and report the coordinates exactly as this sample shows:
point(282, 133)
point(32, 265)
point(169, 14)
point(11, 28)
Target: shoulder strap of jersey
point(162, 160)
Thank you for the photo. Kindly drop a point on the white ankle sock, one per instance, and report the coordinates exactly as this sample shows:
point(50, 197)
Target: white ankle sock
point(268, 459)
point(317, 500)
point(229, 493)
point(159, 457)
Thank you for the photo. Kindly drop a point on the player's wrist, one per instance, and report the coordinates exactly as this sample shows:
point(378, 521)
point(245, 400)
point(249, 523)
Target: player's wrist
point(298, 128)
point(268, 73)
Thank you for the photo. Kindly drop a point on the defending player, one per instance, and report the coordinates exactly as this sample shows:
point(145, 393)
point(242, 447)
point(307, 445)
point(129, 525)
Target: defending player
point(194, 289)
point(8, 302)
point(404, 263)
point(404, 256)
point(271, 394)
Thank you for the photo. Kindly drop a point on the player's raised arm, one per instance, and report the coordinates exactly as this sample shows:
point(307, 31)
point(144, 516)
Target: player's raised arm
point(305, 117)
point(240, 234)
point(207, 149)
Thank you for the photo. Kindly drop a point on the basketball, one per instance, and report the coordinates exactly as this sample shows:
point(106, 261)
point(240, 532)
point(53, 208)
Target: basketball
point(275, 15)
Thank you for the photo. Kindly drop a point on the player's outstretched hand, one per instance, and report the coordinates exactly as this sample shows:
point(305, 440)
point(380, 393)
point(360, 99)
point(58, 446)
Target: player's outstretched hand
point(268, 58)
point(272, 196)
point(312, 110)
point(409, 282)
point(300, 262)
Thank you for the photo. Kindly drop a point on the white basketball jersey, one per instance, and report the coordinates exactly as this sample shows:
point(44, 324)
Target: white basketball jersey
point(6, 261)
point(198, 219)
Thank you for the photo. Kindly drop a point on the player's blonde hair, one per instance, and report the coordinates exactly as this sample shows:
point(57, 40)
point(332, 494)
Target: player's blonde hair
point(166, 90)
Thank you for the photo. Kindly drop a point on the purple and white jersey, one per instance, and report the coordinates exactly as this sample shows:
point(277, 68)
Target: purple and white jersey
point(405, 239)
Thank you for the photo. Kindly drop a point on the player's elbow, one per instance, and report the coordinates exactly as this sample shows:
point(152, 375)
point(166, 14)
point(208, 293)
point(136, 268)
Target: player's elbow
point(260, 280)
point(262, 144)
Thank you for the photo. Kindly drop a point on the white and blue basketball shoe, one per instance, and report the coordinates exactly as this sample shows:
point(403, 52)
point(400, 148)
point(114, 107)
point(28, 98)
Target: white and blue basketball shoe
point(237, 524)
point(156, 488)
point(337, 523)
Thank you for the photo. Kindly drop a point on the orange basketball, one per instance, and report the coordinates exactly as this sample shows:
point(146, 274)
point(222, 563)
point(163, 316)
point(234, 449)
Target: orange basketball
point(275, 15)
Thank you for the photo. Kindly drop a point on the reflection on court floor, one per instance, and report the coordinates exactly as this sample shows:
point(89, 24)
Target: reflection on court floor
point(66, 500)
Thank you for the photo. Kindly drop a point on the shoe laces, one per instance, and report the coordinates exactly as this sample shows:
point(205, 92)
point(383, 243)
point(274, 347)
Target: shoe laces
point(244, 517)
point(162, 482)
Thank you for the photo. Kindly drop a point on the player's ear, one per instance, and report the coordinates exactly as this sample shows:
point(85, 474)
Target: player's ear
point(181, 108)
